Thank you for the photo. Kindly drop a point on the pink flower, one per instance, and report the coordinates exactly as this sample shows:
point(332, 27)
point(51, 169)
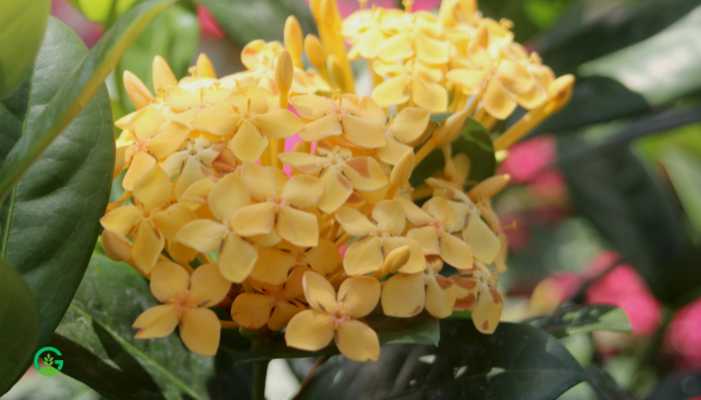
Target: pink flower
point(527, 159)
point(623, 287)
point(684, 336)
point(208, 24)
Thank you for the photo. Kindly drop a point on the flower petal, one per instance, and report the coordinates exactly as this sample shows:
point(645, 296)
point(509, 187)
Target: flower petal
point(309, 330)
point(337, 189)
point(248, 144)
point(303, 162)
point(148, 246)
point(272, 266)
point(282, 313)
point(403, 296)
point(156, 322)
point(484, 243)
point(358, 341)
point(322, 128)
point(207, 286)
point(487, 311)
point(410, 124)
point(429, 95)
point(200, 330)
point(439, 301)
point(455, 252)
point(365, 173)
point(170, 220)
point(319, 293)
point(497, 102)
point(363, 256)
point(427, 237)
point(203, 235)
point(311, 106)
point(278, 124)
point(168, 141)
point(389, 216)
point(391, 92)
point(226, 196)
point(363, 132)
point(154, 190)
point(256, 219)
point(122, 219)
point(237, 259)
point(324, 257)
point(141, 164)
point(303, 191)
point(354, 222)
point(252, 310)
point(359, 295)
point(168, 279)
point(298, 227)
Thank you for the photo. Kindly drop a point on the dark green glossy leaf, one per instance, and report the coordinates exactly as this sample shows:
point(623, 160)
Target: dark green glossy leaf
point(174, 35)
point(574, 320)
point(634, 213)
point(591, 29)
point(595, 99)
point(78, 87)
point(50, 220)
point(516, 362)
point(678, 386)
point(685, 173)
point(23, 24)
point(115, 377)
point(474, 141)
point(19, 320)
point(244, 21)
point(108, 301)
point(661, 68)
point(249, 346)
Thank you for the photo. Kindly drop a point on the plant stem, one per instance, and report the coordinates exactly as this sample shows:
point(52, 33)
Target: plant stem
point(260, 371)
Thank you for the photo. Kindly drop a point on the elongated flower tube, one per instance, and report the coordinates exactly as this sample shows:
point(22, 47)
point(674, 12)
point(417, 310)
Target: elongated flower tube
point(359, 220)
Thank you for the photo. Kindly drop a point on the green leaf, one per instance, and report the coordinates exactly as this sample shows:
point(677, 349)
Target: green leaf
point(251, 346)
point(661, 68)
point(573, 320)
point(50, 220)
point(23, 24)
point(685, 173)
point(635, 214)
point(173, 35)
point(516, 362)
point(76, 91)
point(592, 29)
point(474, 141)
point(115, 376)
point(20, 327)
point(596, 99)
point(244, 21)
point(108, 301)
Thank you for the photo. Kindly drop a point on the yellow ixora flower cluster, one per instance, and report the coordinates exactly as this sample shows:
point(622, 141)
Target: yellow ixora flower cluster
point(311, 240)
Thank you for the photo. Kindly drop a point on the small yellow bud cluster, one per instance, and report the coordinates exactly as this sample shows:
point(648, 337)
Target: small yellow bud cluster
point(312, 239)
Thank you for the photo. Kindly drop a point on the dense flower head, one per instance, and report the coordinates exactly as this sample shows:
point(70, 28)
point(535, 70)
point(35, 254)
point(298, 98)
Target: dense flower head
point(316, 239)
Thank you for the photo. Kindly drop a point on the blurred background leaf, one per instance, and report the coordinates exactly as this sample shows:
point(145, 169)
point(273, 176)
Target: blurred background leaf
point(23, 24)
point(516, 362)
